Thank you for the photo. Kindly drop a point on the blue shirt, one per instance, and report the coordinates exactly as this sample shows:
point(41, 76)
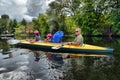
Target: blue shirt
point(37, 38)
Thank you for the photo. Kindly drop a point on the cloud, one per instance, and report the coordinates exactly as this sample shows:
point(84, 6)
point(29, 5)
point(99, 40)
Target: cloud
point(13, 8)
point(19, 9)
point(20, 2)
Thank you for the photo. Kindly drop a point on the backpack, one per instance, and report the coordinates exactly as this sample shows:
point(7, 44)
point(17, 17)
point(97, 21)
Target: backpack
point(57, 37)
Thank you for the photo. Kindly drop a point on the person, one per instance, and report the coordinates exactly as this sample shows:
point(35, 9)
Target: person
point(48, 37)
point(37, 36)
point(78, 39)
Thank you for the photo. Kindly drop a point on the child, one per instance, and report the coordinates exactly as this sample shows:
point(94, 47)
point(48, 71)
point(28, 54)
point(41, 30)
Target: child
point(48, 37)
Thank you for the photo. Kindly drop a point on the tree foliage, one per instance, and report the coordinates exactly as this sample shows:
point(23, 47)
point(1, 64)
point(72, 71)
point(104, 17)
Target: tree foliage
point(41, 24)
point(115, 16)
point(94, 17)
point(12, 26)
point(90, 15)
point(4, 22)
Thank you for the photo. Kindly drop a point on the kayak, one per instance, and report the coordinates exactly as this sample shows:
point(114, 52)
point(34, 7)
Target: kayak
point(57, 47)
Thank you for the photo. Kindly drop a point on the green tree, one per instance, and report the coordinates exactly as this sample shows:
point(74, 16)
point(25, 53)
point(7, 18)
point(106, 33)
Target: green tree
point(90, 15)
point(115, 16)
point(4, 22)
point(93, 15)
point(19, 30)
point(24, 23)
point(12, 25)
point(60, 9)
point(70, 25)
point(41, 24)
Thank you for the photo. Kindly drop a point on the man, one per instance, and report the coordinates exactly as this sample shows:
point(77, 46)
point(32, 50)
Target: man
point(78, 40)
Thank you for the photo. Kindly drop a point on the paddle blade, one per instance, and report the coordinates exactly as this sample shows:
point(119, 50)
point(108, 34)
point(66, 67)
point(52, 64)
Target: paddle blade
point(13, 41)
point(58, 47)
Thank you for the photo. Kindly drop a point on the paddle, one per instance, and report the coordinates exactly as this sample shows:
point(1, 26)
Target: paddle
point(13, 41)
point(57, 47)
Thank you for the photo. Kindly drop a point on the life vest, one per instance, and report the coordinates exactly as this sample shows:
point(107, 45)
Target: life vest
point(57, 37)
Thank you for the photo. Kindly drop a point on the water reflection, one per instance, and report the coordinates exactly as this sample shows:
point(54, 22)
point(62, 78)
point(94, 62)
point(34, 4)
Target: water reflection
point(25, 64)
point(56, 59)
point(37, 56)
point(4, 46)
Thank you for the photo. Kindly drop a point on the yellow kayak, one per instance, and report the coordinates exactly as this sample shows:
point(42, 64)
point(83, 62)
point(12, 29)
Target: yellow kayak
point(57, 47)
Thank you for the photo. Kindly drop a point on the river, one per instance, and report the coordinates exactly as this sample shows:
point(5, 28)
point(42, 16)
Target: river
point(25, 64)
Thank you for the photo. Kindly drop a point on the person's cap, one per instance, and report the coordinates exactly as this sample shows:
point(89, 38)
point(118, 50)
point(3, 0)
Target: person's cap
point(36, 32)
point(49, 35)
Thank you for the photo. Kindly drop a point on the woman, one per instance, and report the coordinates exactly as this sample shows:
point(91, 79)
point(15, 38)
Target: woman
point(37, 36)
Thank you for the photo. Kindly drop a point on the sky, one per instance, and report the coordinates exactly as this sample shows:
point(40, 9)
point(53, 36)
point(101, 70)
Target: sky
point(27, 9)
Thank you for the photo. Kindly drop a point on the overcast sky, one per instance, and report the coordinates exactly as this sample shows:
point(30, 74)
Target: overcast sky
point(19, 9)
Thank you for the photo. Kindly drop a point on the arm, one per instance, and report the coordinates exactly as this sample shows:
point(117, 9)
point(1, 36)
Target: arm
point(72, 43)
point(32, 41)
point(75, 43)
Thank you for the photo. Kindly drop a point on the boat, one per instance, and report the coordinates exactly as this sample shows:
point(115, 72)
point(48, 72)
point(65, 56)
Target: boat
point(6, 36)
point(57, 47)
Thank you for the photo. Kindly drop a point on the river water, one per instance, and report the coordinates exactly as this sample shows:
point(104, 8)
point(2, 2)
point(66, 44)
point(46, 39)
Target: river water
point(25, 64)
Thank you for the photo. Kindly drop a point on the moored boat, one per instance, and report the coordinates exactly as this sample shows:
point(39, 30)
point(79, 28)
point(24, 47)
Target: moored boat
point(6, 36)
point(44, 46)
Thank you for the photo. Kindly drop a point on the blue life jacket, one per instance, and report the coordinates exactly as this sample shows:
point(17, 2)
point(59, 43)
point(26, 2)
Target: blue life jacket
point(57, 37)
